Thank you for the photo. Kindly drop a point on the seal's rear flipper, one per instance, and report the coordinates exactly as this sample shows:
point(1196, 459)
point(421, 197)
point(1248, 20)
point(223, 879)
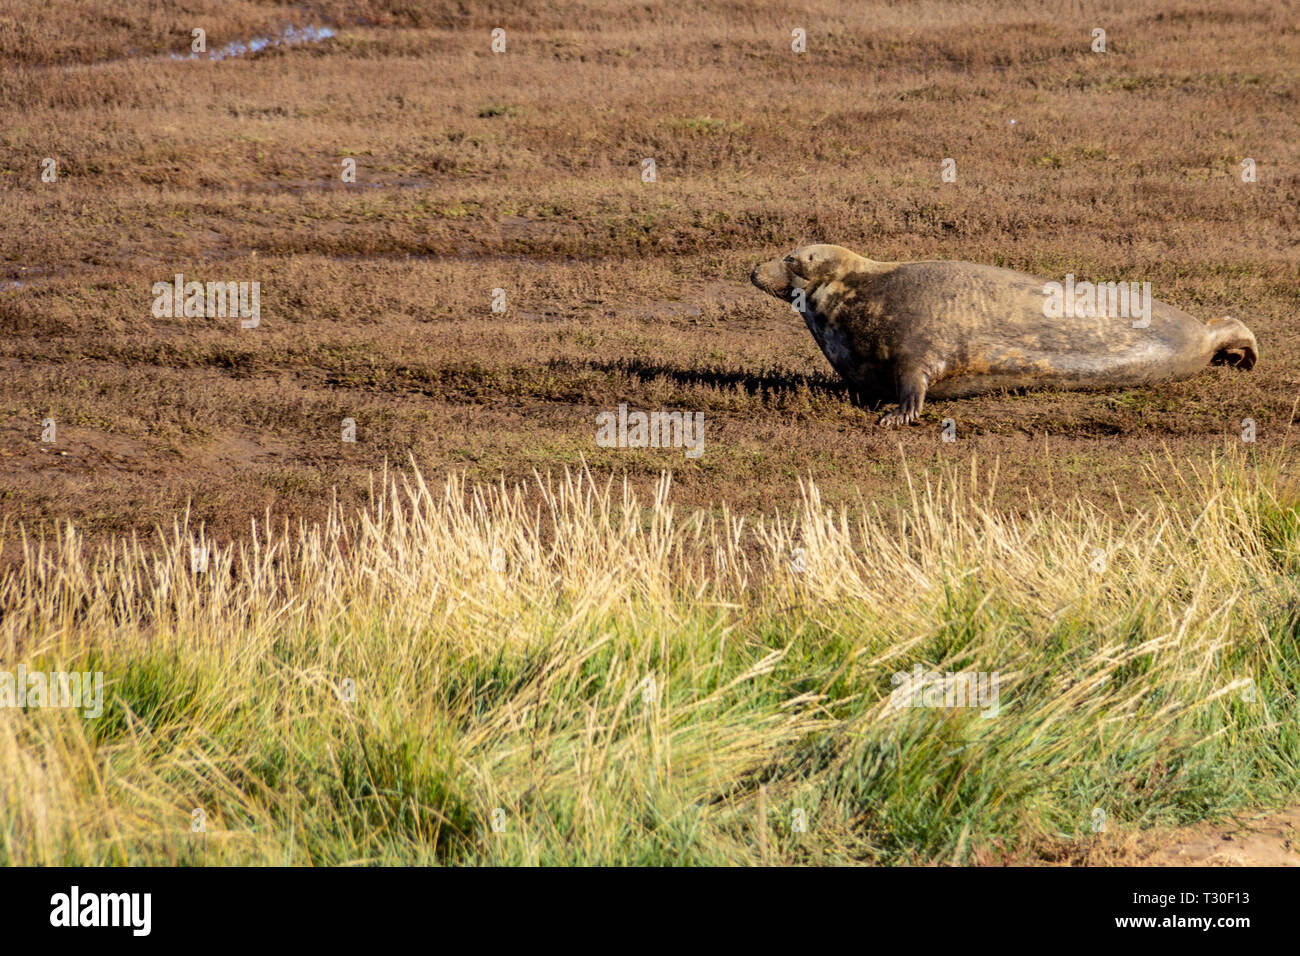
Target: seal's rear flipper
point(1233, 343)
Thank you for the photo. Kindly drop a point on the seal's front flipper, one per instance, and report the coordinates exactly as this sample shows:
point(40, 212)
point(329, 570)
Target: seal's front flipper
point(911, 398)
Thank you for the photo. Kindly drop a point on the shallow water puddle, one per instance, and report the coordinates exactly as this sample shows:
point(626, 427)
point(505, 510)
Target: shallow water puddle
point(289, 36)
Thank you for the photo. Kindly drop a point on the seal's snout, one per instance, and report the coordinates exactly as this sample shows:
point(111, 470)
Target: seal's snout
point(1231, 343)
point(772, 277)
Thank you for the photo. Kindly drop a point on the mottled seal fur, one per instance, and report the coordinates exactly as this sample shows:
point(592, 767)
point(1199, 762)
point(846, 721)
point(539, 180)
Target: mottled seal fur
point(908, 330)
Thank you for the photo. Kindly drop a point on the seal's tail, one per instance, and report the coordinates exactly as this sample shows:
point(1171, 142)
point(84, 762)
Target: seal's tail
point(1232, 343)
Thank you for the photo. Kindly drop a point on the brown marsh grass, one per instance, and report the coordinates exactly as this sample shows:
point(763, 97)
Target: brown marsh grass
point(520, 171)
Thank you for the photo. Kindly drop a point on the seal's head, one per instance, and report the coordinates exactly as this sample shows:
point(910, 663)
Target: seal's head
point(805, 268)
